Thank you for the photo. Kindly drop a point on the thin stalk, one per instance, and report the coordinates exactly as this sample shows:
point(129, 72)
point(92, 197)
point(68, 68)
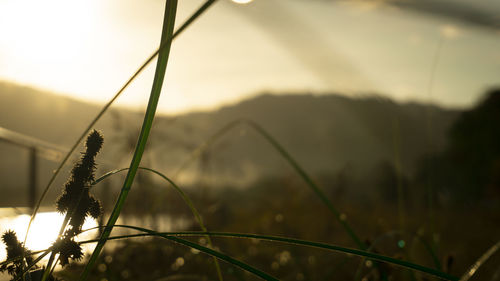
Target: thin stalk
point(309, 181)
point(222, 256)
point(184, 196)
point(430, 250)
point(286, 240)
point(357, 276)
point(161, 66)
point(69, 214)
point(293, 241)
point(430, 142)
point(190, 20)
point(20, 257)
point(279, 148)
point(192, 245)
point(46, 252)
point(473, 269)
point(399, 171)
point(206, 144)
point(186, 199)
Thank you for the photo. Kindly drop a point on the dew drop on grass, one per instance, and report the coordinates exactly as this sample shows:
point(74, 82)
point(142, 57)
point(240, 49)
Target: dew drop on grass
point(108, 259)
point(179, 261)
point(401, 244)
point(369, 263)
point(343, 217)
point(102, 267)
point(284, 257)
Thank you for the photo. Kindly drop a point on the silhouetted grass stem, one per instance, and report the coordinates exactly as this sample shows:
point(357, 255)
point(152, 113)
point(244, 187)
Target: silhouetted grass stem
point(166, 38)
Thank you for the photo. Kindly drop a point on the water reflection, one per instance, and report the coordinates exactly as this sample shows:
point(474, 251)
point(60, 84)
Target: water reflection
point(43, 231)
point(46, 226)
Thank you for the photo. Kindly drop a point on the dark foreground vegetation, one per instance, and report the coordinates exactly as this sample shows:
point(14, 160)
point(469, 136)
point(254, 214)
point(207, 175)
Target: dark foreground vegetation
point(433, 221)
point(442, 214)
point(445, 216)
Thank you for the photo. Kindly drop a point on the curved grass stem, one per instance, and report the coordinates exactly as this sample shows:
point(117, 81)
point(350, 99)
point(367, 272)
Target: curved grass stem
point(164, 45)
point(473, 269)
point(287, 156)
point(292, 241)
point(161, 66)
point(184, 196)
point(286, 240)
point(25, 270)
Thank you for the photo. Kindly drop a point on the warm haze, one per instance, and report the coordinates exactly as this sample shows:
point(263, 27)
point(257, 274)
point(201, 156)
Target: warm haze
point(88, 49)
point(368, 124)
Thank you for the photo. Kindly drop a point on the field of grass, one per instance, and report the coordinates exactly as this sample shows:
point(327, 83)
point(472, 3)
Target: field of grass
point(292, 228)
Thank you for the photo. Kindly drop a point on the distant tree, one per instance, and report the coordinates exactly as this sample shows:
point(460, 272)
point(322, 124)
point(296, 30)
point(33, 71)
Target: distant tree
point(469, 168)
point(474, 147)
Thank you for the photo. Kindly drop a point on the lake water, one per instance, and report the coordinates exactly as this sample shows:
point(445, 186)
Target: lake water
point(46, 226)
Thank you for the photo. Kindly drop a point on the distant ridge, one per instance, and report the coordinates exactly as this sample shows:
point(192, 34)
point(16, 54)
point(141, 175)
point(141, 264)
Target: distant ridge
point(324, 133)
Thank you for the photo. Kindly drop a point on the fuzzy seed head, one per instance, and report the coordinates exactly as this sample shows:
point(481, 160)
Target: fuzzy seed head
point(95, 209)
point(68, 248)
point(94, 142)
point(10, 238)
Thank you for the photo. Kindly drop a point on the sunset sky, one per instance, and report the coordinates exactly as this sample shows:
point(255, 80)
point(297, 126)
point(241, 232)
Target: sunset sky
point(88, 49)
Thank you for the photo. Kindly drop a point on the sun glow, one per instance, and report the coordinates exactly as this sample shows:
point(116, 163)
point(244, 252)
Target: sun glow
point(43, 232)
point(48, 32)
point(242, 1)
point(49, 43)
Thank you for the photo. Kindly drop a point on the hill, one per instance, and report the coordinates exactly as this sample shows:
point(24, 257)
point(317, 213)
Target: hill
point(324, 133)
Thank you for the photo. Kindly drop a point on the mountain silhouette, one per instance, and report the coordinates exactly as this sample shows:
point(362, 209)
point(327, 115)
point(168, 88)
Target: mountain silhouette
point(324, 133)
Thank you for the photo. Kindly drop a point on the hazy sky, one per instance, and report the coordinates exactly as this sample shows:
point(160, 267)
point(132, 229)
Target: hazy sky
point(88, 49)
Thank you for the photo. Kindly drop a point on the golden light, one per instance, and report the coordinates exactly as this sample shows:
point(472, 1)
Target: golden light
point(450, 31)
point(48, 43)
point(43, 232)
point(242, 1)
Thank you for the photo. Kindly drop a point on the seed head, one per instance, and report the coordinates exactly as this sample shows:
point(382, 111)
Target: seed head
point(15, 250)
point(77, 201)
point(67, 248)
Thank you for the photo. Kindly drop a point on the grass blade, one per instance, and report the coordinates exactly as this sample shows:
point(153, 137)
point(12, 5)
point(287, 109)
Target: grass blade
point(25, 270)
point(190, 20)
point(206, 250)
point(430, 250)
point(279, 148)
point(308, 180)
point(473, 269)
point(221, 256)
point(161, 66)
point(293, 241)
point(186, 199)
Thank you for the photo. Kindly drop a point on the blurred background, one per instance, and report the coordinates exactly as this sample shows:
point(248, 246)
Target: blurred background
point(391, 106)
